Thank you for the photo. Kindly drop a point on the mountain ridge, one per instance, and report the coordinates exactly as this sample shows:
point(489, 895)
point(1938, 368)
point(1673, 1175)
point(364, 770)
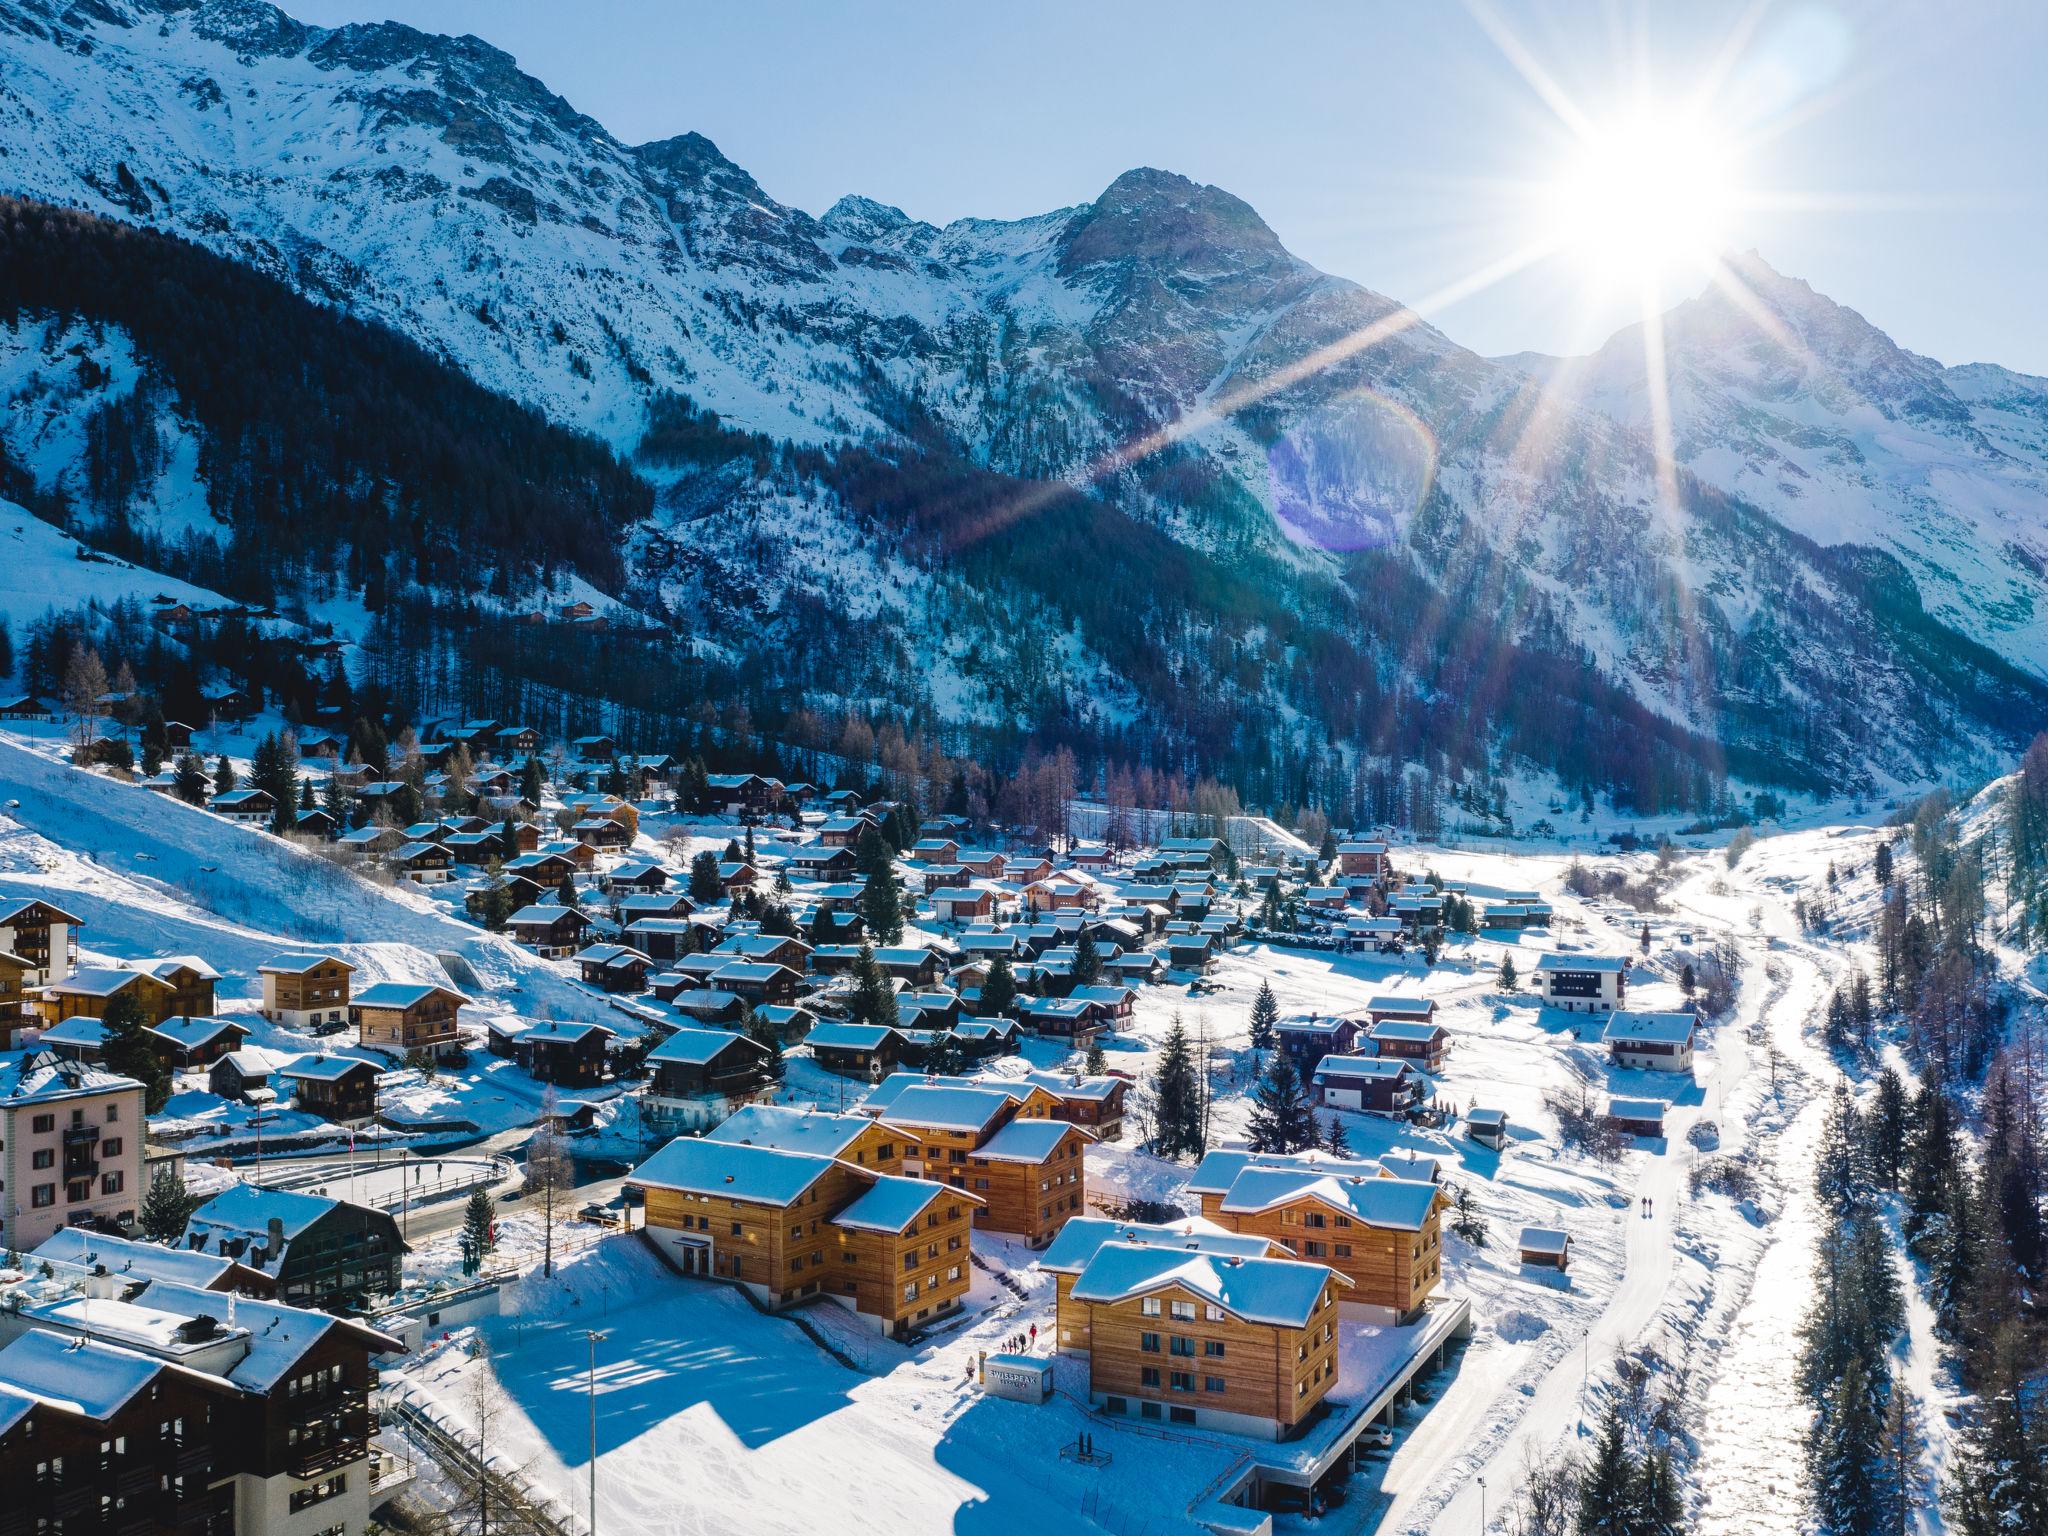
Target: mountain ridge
point(428, 184)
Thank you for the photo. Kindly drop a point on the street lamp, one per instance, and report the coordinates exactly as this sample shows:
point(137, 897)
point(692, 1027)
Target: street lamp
point(1482, 1507)
point(594, 1335)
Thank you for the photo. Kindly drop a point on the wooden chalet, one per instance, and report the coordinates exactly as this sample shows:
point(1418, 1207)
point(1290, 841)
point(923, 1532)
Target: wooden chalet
point(566, 1054)
point(696, 1077)
point(1029, 1169)
point(1545, 1248)
point(1422, 1043)
point(553, 932)
point(342, 1088)
point(406, 1016)
point(186, 1041)
point(788, 1226)
point(41, 936)
point(1379, 1232)
point(614, 967)
point(868, 1051)
point(1651, 1042)
point(1374, 1085)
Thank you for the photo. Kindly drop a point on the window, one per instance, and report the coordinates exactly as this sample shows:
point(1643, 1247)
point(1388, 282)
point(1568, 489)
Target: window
point(910, 1261)
point(1313, 1250)
point(1213, 1312)
point(1148, 1376)
point(1312, 1218)
point(735, 1229)
point(110, 1183)
point(1183, 1381)
point(1150, 1306)
point(42, 1124)
point(1182, 1415)
point(43, 1157)
point(113, 1113)
point(953, 1273)
point(1149, 1343)
point(1182, 1344)
point(1184, 1311)
point(111, 1147)
point(1214, 1384)
point(43, 1195)
point(1213, 1348)
point(910, 1291)
point(1341, 1250)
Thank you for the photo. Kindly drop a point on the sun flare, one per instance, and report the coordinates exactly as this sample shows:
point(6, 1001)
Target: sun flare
point(1645, 196)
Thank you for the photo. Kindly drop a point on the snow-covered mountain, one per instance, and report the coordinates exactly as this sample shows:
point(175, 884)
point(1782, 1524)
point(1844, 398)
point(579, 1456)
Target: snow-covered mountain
point(1803, 408)
point(1369, 512)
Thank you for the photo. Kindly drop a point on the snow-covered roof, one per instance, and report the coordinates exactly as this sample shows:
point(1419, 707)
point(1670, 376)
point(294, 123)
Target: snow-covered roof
point(1407, 1029)
point(258, 1061)
point(695, 1047)
point(326, 1069)
point(1317, 1026)
point(1658, 1028)
point(1083, 1236)
point(892, 1203)
point(192, 1030)
point(1637, 1109)
point(1282, 1293)
point(246, 1210)
point(1597, 964)
point(945, 1108)
point(78, 1375)
point(544, 913)
point(844, 1035)
point(1404, 1204)
point(1418, 1007)
point(162, 967)
point(79, 1032)
point(298, 963)
point(1486, 1117)
point(1544, 1240)
point(82, 1249)
point(699, 1167)
point(279, 1335)
point(402, 994)
point(1029, 1141)
point(1361, 1066)
point(11, 910)
point(43, 1075)
point(789, 1129)
point(96, 981)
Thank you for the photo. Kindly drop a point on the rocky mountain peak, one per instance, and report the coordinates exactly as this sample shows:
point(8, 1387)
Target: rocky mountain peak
point(1158, 218)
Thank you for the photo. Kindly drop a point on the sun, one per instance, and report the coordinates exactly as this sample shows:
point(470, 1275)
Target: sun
point(1646, 195)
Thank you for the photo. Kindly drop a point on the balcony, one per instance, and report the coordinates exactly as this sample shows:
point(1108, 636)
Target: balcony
point(81, 1135)
point(307, 1461)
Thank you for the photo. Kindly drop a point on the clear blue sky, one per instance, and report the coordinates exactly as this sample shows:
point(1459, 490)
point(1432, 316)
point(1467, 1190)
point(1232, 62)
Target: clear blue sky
point(1384, 141)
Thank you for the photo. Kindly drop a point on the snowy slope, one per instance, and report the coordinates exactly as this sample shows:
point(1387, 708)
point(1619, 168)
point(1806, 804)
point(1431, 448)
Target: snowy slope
point(426, 182)
point(1805, 409)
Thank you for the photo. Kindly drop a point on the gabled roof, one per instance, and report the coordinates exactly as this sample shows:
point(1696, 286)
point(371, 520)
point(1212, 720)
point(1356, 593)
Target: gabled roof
point(297, 964)
point(1218, 1170)
point(1401, 1203)
point(11, 911)
point(1282, 1293)
point(79, 1032)
point(789, 1129)
point(189, 1030)
point(1029, 1141)
point(1544, 1240)
point(1420, 1007)
point(247, 1210)
point(1083, 1236)
point(543, 914)
point(844, 1035)
point(1660, 1028)
point(81, 1249)
point(327, 1069)
point(700, 1167)
point(1362, 1066)
point(892, 1203)
point(697, 1047)
point(945, 1108)
point(402, 994)
point(1637, 1109)
point(98, 981)
point(1408, 1029)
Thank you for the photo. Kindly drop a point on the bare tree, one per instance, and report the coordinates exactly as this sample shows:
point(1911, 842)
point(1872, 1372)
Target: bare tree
point(550, 1175)
point(85, 681)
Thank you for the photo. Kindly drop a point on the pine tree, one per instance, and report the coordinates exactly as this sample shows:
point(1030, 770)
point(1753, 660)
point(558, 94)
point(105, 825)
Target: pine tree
point(1881, 866)
point(165, 1207)
point(1998, 1483)
point(1334, 1137)
point(565, 889)
point(479, 1230)
point(999, 988)
point(126, 1049)
point(223, 775)
point(1839, 1176)
point(1607, 1485)
point(1508, 979)
point(1282, 1119)
point(1087, 960)
point(873, 1000)
point(705, 884)
point(1885, 1129)
point(1932, 1155)
point(1178, 1129)
point(763, 1033)
point(1659, 1503)
point(191, 785)
point(881, 901)
point(1096, 1063)
point(1845, 1450)
point(1265, 1018)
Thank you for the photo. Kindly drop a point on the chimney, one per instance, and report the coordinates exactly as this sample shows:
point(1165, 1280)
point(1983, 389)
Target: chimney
point(198, 1329)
